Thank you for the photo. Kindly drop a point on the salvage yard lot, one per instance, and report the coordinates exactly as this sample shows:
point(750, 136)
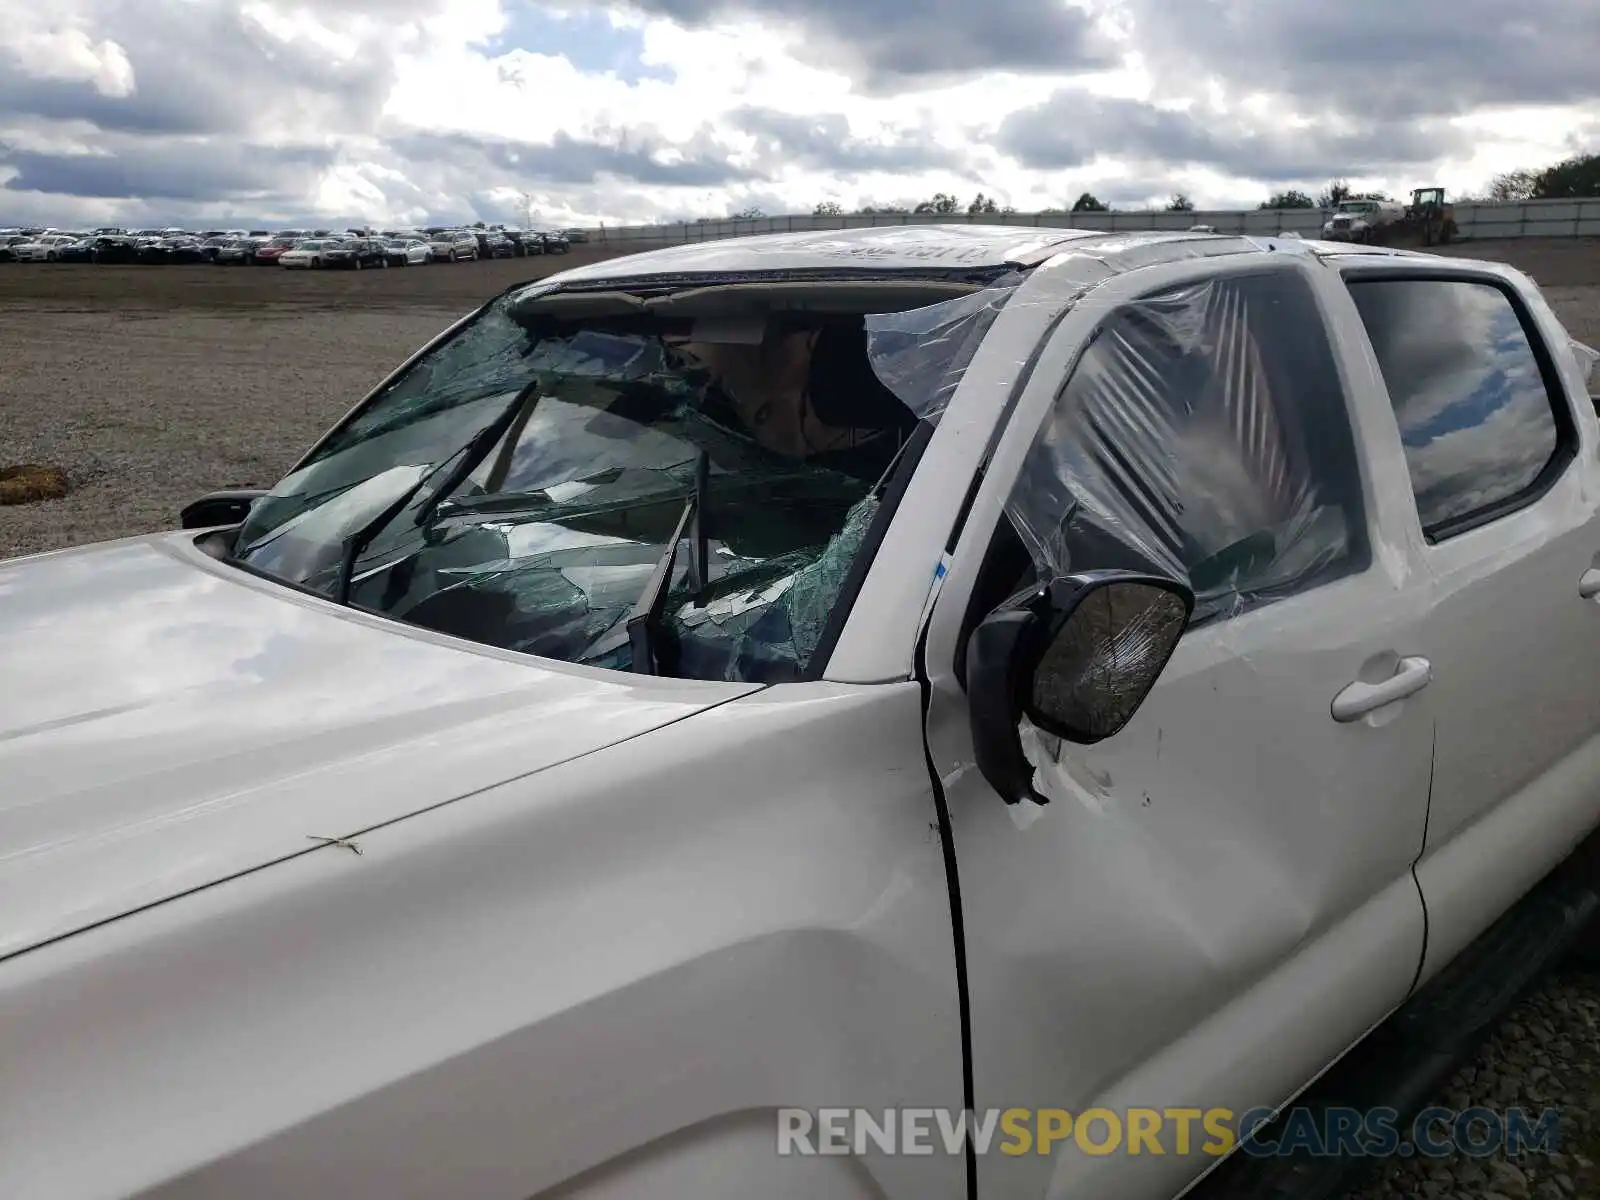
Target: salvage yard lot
point(152, 385)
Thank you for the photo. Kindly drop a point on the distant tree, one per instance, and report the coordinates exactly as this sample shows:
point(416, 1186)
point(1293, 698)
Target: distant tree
point(1569, 179)
point(1180, 202)
point(1008, 210)
point(1054, 212)
point(1088, 203)
point(1513, 185)
point(1289, 199)
point(941, 203)
point(1335, 194)
point(982, 204)
point(886, 209)
point(748, 214)
point(827, 208)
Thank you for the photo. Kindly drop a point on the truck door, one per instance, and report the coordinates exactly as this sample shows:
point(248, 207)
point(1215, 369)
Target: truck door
point(1218, 901)
point(1499, 440)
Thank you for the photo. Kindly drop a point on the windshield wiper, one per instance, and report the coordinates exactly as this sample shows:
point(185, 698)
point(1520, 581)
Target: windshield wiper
point(516, 502)
point(470, 456)
point(645, 620)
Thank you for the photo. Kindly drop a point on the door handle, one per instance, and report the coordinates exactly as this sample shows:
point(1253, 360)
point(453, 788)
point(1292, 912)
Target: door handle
point(1589, 584)
point(1410, 676)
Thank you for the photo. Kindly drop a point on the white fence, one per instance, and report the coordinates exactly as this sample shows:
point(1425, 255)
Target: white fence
point(1532, 218)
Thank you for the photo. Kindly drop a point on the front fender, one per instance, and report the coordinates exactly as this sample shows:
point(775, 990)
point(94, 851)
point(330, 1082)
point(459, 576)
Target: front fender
point(601, 977)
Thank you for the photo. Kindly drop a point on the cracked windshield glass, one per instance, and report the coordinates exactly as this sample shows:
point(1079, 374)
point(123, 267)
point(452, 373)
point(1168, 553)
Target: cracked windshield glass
point(600, 490)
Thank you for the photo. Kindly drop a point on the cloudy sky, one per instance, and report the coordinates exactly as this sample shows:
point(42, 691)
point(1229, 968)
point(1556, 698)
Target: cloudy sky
point(137, 111)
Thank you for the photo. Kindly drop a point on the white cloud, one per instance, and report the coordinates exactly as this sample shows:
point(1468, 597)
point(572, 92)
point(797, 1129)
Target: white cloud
point(403, 109)
point(66, 52)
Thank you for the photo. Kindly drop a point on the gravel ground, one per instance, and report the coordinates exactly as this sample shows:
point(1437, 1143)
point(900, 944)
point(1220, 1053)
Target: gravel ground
point(152, 386)
point(1546, 1054)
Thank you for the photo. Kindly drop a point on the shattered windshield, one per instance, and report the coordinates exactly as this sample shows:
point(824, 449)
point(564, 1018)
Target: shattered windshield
point(547, 540)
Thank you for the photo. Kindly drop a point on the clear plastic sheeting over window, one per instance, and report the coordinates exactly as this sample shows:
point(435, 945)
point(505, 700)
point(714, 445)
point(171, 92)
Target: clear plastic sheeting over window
point(1203, 435)
point(921, 355)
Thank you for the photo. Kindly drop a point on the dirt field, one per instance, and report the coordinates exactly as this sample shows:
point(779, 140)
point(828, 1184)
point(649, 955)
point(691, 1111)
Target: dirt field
point(153, 385)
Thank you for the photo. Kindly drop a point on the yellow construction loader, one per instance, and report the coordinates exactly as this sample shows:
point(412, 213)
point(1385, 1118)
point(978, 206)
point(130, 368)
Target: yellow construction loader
point(1430, 219)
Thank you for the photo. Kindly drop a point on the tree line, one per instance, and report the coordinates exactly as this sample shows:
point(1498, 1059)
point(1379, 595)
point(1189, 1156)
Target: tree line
point(1570, 179)
point(945, 203)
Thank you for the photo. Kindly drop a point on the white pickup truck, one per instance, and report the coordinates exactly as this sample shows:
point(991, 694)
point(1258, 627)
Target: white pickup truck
point(939, 668)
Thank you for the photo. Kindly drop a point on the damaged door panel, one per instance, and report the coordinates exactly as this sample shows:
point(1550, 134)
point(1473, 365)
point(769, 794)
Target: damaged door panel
point(1238, 848)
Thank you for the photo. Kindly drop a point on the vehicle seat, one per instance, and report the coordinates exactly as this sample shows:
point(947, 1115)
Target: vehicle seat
point(844, 390)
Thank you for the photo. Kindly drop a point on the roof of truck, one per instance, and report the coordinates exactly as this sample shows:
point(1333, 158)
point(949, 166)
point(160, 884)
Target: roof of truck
point(885, 247)
point(935, 247)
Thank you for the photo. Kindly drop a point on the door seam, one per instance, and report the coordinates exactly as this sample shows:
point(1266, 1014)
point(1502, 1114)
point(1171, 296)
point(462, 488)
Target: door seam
point(1427, 814)
point(958, 935)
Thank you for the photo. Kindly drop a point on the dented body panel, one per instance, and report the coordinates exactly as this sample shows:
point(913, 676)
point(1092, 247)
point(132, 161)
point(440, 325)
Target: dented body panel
point(1173, 893)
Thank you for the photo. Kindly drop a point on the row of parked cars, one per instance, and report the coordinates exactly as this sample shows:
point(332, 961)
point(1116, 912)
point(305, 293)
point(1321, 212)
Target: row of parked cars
point(299, 248)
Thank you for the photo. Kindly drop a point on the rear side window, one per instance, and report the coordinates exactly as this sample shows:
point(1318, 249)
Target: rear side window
point(1484, 431)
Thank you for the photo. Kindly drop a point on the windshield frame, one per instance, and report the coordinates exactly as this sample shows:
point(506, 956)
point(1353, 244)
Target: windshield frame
point(890, 490)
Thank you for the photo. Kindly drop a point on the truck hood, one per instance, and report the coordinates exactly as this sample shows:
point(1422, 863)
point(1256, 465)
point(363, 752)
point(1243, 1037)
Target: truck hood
point(169, 721)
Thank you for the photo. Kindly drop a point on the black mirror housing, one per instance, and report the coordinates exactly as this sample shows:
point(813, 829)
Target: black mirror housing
point(228, 507)
point(1076, 656)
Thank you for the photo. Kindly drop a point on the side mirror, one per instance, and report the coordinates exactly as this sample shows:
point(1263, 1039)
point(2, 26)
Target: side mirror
point(1076, 656)
point(228, 507)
